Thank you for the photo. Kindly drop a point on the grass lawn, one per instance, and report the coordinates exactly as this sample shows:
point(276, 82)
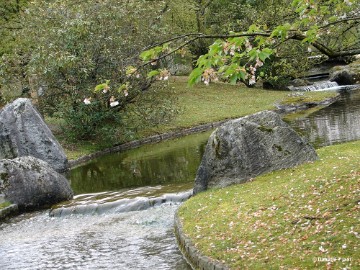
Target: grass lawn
point(218, 101)
point(204, 104)
point(307, 217)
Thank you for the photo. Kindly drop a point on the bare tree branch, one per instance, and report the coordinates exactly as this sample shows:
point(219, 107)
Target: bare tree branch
point(344, 20)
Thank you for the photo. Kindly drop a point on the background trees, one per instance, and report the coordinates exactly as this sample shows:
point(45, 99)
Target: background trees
point(58, 51)
point(10, 11)
point(65, 48)
point(282, 31)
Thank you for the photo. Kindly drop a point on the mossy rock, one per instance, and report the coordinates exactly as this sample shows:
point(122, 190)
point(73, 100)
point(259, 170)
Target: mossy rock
point(346, 75)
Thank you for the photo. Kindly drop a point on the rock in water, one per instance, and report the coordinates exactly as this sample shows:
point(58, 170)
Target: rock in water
point(24, 133)
point(246, 147)
point(346, 75)
point(32, 184)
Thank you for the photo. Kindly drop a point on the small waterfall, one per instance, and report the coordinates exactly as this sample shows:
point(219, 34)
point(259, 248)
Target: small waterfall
point(323, 86)
point(109, 205)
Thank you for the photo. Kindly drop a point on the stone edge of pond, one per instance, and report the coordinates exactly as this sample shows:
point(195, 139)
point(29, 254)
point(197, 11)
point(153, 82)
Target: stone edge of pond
point(8, 211)
point(282, 109)
point(190, 253)
point(289, 108)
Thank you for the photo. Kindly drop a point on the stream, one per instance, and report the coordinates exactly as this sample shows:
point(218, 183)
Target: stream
point(103, 227)
point(337, 123)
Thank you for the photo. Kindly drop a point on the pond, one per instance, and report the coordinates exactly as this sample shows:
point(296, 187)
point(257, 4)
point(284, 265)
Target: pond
point(337, 123)
point(168, 162)
point(99, 232)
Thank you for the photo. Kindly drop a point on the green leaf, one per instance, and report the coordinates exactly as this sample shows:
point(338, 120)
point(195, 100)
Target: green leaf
point(223, 68)
point(253, 28)
point(216, 47)
point(195, 76)
point(233, 79)
point(203, 61)
point(216, 60)
point(151, 54)
point(264, 54)
point(281, 31)
point(311, 35)
point(253, 54)
point(165, 47)
point(153, 73)
point(123, 87)
point(231, 70)
point(238, 41)
point(130, 70)
point(333, 19)
point(146, 55)
point(242, 74)
point(102, 86)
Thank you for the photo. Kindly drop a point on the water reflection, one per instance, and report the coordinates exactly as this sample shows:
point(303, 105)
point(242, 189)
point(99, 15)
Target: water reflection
point(339, 122)
point(169, 162)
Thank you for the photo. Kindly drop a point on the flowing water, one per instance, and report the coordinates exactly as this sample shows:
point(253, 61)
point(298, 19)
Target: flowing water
point(103, 227)
point(131, 240)
point(323, 86)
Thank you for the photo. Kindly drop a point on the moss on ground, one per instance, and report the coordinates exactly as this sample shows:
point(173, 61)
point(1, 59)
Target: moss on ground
point(4, 205)
point(301, 218)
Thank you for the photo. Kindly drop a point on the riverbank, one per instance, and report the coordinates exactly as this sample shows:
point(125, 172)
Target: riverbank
point(305, 217)
point(201, 108)
point(297, 107)
point(7, 210)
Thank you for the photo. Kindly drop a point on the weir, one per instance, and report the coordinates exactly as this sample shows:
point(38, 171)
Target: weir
point(323, 86)
point(112, 205)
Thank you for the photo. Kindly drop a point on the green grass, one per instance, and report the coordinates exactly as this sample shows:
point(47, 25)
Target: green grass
point(73, 150)
point(202, 104)
point(205, 104)
point(290, 219)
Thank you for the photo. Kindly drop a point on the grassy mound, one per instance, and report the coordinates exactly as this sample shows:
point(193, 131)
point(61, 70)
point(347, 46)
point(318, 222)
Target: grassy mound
point(301, 218)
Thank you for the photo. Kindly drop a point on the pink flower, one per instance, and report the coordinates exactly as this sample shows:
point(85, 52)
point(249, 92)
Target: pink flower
point(252, 80)
point(114, 103)
point(87, 101)
point(259, 63)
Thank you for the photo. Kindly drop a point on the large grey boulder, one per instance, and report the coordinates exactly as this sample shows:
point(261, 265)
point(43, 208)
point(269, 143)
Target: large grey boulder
point(31, 183)
point(24, 133)
point(246, 147)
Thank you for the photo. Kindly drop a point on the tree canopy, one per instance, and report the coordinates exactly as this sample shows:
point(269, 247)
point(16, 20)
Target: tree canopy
point(331, 28)
point(87, 61)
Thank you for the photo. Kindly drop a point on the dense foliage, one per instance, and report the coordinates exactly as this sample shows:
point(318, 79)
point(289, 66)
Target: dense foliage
point(330, 28)
point(65, 48)
point(10, 11)
point(89, 62)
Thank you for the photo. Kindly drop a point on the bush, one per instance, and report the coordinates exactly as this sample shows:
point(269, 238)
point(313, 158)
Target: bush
point(67, 47)
point(88, 122)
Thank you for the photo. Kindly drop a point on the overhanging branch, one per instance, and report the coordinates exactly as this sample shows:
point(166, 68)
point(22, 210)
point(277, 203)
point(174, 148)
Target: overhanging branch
point(293, 35)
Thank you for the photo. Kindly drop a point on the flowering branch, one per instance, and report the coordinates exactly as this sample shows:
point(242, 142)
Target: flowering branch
point(237, 56)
